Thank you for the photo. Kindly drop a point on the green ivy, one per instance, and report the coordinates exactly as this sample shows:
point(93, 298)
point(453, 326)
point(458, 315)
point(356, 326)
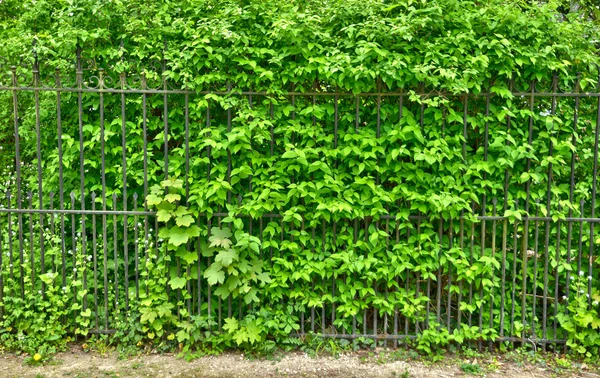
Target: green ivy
point(281, 214)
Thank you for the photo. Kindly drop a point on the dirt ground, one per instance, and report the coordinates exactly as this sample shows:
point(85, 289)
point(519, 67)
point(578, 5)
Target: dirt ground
point(83, 365)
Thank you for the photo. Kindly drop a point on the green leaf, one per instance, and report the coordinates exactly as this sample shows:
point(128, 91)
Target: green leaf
point(172, 197)
point(48, 278)
point(177, 283)
point(220, 237)
point(188, 257)
point(163, 216)
point(226, 257)
point(214, 274)
point(292, 154)
point(153, 200)
point(178, 236)
point(231, 325)
point(172, 183)
point(87, 313)
point(148, 317)
point(184, 221)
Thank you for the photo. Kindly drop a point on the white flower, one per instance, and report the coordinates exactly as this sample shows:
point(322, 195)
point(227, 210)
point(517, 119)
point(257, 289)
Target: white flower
point(590, 278)
point(595, 303)
point(581, 273)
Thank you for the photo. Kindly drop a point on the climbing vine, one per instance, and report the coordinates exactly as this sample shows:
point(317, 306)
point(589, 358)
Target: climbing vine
point(318, 168)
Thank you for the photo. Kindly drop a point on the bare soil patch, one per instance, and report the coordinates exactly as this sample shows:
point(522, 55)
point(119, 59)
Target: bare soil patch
point(353, 365)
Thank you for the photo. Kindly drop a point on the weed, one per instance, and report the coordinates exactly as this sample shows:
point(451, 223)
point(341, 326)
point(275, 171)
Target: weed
point(472, 369)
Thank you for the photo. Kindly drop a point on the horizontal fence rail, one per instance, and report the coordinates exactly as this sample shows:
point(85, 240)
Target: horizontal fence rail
point(496, 257)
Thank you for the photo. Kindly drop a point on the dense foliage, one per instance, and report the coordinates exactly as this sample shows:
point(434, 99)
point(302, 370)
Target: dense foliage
point(281, 214)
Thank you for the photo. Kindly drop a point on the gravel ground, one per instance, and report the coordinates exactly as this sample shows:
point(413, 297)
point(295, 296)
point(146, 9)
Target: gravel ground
point(77, 364)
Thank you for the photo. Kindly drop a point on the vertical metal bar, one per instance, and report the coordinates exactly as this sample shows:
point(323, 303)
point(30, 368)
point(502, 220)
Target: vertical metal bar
point(395, 341)
point(52, 228)
point(199, 273)
point(272, 141)
point(354, 241)
point(505, 227)
point(471, 258)
point(422, 110)
point(548, 210)
point(482, 246)
point(556, 276)
point(366, 227)
point(60, 175)
point(449, 285)
point(335, 139)
point(95, 257)
point(407, 285)
point(377, 181)
point(571, 194)
point(438, 315)
point(186, 109)
point(229, 117)
point(115, 252)
point(250, 220)
point(124, 165)
point(145, 168)
point(357, 116)
point(387, 284)
point(514, 276)
point(503, 262)
point(594, 192)
point(580, 245)
point(79, 79)
point(397, 225)
point(73, 250)
point(461, 231)
point(18, 180)
point(229, 194)
point(36, 94)
point(103, 182)
point(2, 273)
point(484, 202)
point(31, 241)
point(462, 225)
point(165, 113)
point(313, 308)
point(209, 220)
point(535, 267)
point(11, 259)
point(334, 241)
point(422, 124)
point(418, 274)
point(493, 275)
point(136, 247)
point(323, 243)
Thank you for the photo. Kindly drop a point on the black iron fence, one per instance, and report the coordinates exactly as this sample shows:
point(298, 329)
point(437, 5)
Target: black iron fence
point(82, 152)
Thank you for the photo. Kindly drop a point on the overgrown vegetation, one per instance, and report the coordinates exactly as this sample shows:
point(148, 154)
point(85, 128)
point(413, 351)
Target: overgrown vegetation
point(337, 212)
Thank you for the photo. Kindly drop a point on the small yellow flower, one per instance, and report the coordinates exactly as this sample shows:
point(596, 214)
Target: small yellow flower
point(37, 357)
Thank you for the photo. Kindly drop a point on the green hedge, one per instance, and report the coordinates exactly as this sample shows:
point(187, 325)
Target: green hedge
point(344, 186)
